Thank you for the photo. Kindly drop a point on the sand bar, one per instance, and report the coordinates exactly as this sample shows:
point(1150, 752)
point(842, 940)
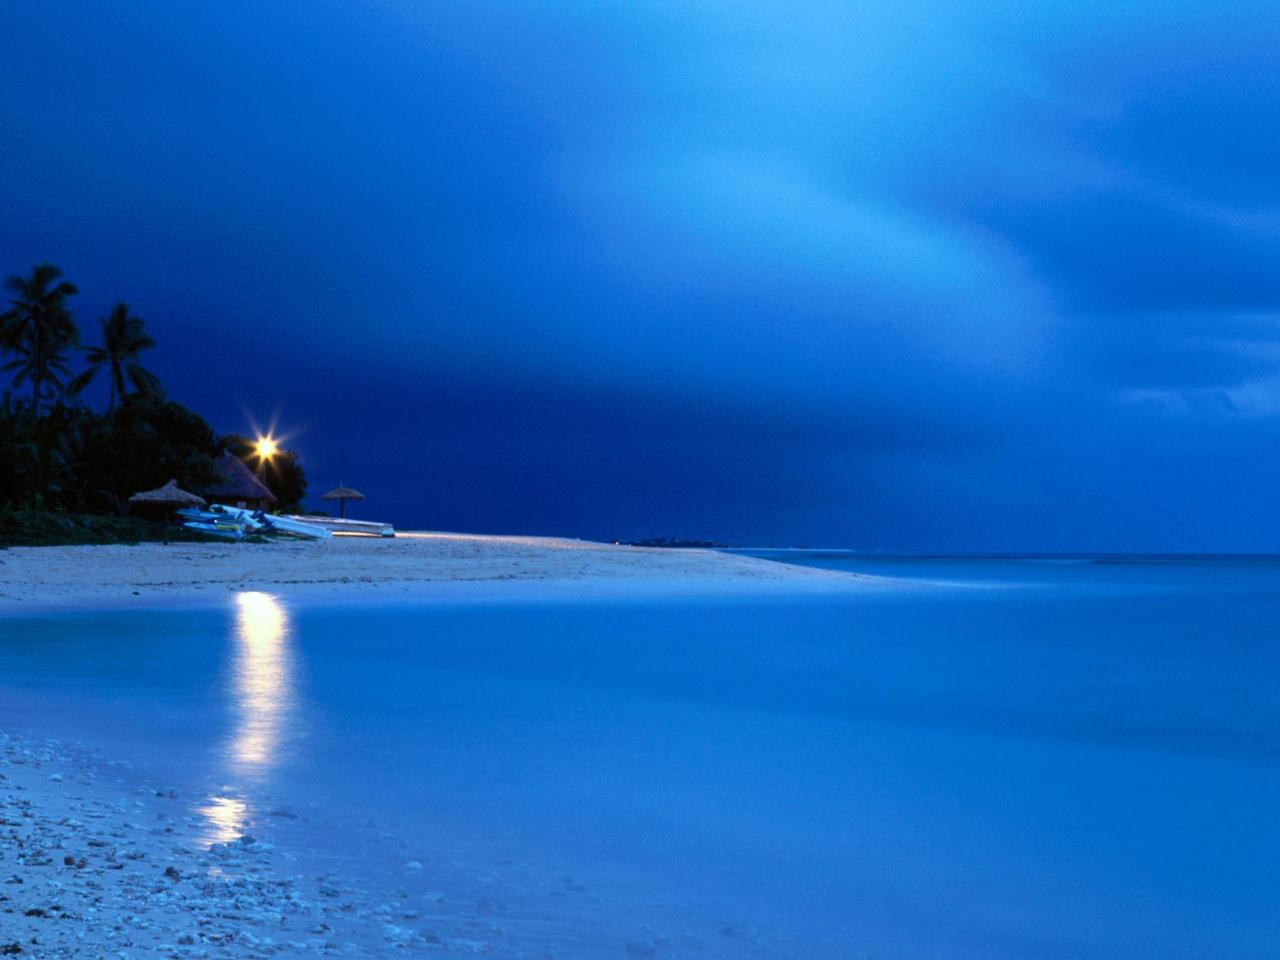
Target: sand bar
point(411, 567)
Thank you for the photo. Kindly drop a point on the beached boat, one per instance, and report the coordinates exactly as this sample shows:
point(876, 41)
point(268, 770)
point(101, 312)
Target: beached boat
point(248, 519)
point(209, 516)
point(343, 527)
point(205, 518)
point(221, 531)
point(295, 528)
point(242, 520)
point(271, 523)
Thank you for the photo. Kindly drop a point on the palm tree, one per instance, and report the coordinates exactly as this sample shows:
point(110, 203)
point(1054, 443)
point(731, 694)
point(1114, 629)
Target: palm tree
point(39, 329)
point(123, 338)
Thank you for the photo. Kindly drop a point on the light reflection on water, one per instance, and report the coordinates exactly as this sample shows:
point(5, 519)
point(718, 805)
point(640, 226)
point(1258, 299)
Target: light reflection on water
point(262, 681)
point(262, 690)
point(225, 818)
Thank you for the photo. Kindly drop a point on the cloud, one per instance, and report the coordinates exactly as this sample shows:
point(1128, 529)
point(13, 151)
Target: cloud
point(939, 259)
point(854, 269)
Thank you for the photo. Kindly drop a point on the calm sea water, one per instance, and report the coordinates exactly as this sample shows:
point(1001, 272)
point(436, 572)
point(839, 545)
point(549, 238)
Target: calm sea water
point(1007, 759)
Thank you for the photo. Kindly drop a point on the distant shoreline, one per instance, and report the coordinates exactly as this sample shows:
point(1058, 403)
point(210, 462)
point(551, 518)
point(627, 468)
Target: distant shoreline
point(853, 554)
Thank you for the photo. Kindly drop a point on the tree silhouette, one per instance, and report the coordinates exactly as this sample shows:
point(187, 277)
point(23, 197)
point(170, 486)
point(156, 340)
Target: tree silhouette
point(123, 338)
point(39, 329)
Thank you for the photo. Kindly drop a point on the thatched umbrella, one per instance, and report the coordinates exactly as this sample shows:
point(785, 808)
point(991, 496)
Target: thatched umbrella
point(342, 495)
point(168, 496)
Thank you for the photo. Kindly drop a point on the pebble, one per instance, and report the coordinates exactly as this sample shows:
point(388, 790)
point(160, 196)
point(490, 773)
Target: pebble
point(226, 897)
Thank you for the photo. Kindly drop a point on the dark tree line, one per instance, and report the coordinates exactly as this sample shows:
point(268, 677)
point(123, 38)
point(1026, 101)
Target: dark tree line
point(58, 453)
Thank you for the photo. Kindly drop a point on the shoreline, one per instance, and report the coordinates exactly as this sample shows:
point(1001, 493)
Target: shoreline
point(99, 856)
point(411, 568)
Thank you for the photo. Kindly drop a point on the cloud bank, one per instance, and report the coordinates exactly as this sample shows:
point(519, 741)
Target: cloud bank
point(896, 276)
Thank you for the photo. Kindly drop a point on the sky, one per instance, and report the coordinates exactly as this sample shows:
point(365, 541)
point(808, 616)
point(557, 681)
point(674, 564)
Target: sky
point(900, 276)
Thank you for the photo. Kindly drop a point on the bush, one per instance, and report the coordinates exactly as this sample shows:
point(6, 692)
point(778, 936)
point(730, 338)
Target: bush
point(146, 443)
point(41, 528)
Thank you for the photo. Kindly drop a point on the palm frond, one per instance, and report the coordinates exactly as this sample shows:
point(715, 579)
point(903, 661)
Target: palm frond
point(144, 381)
point(81, 380)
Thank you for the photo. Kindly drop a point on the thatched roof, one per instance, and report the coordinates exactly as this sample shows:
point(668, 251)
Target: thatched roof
point(343, 493)
point(168, 494)
point(237, 482)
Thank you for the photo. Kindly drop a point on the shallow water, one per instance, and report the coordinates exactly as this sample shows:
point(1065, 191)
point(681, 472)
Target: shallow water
point(1013, 760)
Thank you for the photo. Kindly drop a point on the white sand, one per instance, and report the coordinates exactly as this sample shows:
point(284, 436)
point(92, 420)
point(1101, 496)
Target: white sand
point(98, 861)
point(411, 567)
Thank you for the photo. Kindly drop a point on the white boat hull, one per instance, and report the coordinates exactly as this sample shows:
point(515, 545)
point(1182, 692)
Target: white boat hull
point(214, 530)
point(245, 518)
point(269, 522)
point(365, 528)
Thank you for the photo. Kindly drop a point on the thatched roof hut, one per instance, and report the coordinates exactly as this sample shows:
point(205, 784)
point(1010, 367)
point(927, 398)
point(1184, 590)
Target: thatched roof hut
point(238, 487)
point(169, 496)
point(163, 500)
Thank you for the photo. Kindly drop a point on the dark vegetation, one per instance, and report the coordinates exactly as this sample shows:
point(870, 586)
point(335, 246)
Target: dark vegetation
point(45, 528)
point(66, 470)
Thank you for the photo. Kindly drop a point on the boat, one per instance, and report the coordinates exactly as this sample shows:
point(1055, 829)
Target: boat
point(221, 531)
point(246, 518)
point(344, 527)
point(208, 518)
point(270, 523)
point(296, 528)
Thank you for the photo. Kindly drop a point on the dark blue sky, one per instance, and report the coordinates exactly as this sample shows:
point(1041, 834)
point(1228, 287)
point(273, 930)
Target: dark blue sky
point(901, 276)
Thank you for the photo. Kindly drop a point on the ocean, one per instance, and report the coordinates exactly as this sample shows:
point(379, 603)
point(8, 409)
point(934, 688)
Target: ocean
point(992, 758)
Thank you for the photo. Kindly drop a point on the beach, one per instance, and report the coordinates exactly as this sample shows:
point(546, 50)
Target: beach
point(103, 854)
point(412, 566)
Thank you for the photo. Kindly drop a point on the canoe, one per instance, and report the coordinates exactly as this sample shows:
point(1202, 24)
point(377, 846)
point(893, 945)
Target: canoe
point(340, 526)
point(207, 516)
point(272, 523)
point(246, 518)
point(297, 528)
point(214, 530)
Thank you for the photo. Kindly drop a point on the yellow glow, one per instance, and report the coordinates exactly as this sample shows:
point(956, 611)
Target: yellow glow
point(266, 448)
point(262, 695)
point(261, 678)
